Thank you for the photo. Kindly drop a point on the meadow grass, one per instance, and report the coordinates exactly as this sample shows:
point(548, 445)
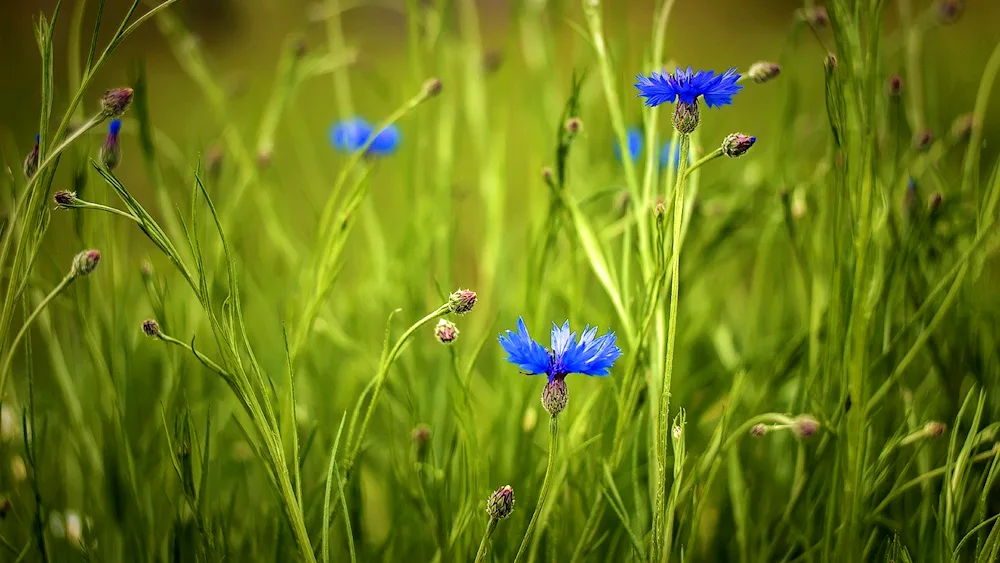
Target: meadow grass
point(813, 379)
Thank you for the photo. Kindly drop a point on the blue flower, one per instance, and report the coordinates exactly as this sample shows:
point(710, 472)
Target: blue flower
point(350, 135)
point(114, 127)
point(670, 155)
point(590, 355)
point(687, 86)
point(634, 139)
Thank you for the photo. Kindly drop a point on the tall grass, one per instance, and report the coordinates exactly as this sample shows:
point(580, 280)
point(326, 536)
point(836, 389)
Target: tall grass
point(809, 369)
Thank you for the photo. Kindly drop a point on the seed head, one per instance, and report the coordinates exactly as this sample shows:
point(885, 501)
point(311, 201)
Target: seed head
point(737, 144)
point(462, 301)
point(805, 426)
point(116, 101)
point(151, 328)
point(895, 86)
point(432, 87)
point(574, 125)
point(85, 262)
point(421, 441)
point(501, 503)
point(31, 161)
point(686, 117)
point(64, 199)
point(763, 71)
point(446, 332)
point(555, 396)
point(111, 150)
point(934, 429)
point(758, 430)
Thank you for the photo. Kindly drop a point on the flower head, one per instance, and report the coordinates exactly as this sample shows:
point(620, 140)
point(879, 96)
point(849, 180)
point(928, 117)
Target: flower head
point(111, 150)
point(687, 86)
point(85, 262)
point(804, 426)
point(64, 199)
point(763, 71)
point(501, 503)
point(446, 332)
point(555, 396)
point(350, 135)
point(31, 161)
point(115, 101)
point(590, 355)
point(633, 140)
point(737, 144)
point(462, 301)
point(151, 328)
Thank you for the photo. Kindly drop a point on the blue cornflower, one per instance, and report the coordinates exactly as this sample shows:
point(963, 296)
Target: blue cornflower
point(350, 135)
point(111, 150)
point(633, 137)
point(591, 355)
point(670, 155)
point(687, 86)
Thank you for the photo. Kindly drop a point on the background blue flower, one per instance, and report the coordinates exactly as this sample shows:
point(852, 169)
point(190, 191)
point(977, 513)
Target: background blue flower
point(634, 139)
point(350, 135)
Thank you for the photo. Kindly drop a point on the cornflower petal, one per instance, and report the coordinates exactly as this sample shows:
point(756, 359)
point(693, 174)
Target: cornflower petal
point(523, 351)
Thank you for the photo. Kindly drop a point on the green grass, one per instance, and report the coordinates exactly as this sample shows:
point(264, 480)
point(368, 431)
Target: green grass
point(814, 378)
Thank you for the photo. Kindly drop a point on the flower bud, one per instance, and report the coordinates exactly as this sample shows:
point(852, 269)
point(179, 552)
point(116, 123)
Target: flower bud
point(934, 429)
point(758, 430)
point(421, 441)
point(432, 87)
point(111, 150)
point(686, 117)
point(31, 161)
point(922, 141)
point(830, 62)
point(763, 71)
point(146, 270)
point(446, 332)
point(64, 199)
point(949, 11)
point(151, 328)
point(85, 262)
point(737, 145)
point(574, 125)
point(116, 101)
point(462, 301)
point(555, 396)
point(934, 203)
point(895, 86)
point(804, 426)
point(816, 16)
point(501, 503)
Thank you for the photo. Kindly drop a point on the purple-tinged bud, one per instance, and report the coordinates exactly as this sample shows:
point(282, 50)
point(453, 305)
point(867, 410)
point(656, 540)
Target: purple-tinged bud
point(758, 430)
point(949, 11)
point(895, 86)
point(805, 426)
point(116, 101)
point(111, 150)
point(763, 71)
point(737, 144)
point(462, 301)
point(501, 503)
point(85, 262)
point(961, 128)
point(574, 125)
point(922, 141)
point(686, 117)
point(934, 429)
point(446, 332)
point(151, 328)
point(432, 87)
point(421, 441)
point(555, 396)
point(64, 199)
point(31, 161)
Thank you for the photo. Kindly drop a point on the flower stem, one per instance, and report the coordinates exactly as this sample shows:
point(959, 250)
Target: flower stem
point(484, 545)
point(668, 364)
point(553, 440)
point(9, 358)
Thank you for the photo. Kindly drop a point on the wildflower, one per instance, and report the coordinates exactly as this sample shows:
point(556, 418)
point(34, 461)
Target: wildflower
point(446, 332)
point(684, 87)
point(758, 430)
point(85, 262)
point(763, 71)
point(462, 301)
point(895, 86)
point(351, 135)
point(591, 355)
point(31, 162)
point(64, 199)
point(737, 144)
point(111, 150)
point(432, 87)
point(804, 426)
point(421, 441)
point(633, 140)
point(151, 328)
point(116, 101)
point(501, 503)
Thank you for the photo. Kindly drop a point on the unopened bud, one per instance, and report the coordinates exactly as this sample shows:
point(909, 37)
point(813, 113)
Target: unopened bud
point(555, 396)
point(64, 199)
point(737, 144)
point(31, 161)
point(659, 210)
point(574, 125)
point(462, 301)
point(934, 203)
point(934, 429)
point(116, 101)
point(85, 262)
point(421, 441)
point(501, 503)
point(146, 269)
point(949, 11)
point(830, 62)
point(432, 87)
point(446, 332)
point(686, 117)
point(151, 328)
point(923, 140)
point(763, 71)
point(895, 86)
point(805, 426)
point(111, 150)
point(758, 430)
point(815, 16)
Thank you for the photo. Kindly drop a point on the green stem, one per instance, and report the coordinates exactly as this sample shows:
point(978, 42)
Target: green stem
point(553, 440)
point(668, 364)
point(484, 545)
point(9, 358)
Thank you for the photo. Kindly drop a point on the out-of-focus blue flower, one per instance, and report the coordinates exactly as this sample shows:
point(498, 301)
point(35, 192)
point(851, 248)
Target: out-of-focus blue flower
point(634, 139)
point(670, 155)
point(350, 135)
point(687, 86)
point(590, 355)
